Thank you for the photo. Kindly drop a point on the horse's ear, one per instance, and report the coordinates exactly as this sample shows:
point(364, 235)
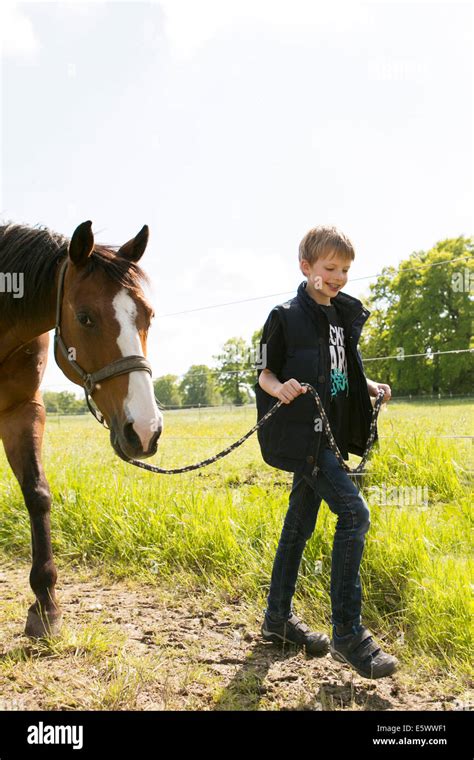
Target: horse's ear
point(82, 244)
point(135, 248)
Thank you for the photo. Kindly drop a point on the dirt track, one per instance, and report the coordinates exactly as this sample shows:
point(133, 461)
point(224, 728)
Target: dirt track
point(149, 648)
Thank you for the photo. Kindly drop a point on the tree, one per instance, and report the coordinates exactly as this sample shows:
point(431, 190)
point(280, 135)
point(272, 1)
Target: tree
point(258, 360)
point(424, 307)
point(198, 386)
point(64, 402)
point(167, 390)
point(234, 365)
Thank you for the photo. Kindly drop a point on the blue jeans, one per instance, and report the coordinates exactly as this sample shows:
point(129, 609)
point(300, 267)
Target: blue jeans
point(332, 484)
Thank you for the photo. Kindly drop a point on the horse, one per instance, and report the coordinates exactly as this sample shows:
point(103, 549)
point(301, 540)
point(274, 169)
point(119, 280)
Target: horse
point(92, 295)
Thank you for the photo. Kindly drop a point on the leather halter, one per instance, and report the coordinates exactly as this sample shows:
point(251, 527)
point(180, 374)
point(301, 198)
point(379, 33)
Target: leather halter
point(91, 380)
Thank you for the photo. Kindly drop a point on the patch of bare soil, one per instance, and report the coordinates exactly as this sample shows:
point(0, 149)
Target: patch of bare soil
point(131, 647)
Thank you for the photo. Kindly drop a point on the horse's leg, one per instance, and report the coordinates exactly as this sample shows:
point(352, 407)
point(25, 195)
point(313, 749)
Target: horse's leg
point(22, 433)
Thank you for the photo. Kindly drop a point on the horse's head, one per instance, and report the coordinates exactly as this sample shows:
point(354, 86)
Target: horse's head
point(104, 317)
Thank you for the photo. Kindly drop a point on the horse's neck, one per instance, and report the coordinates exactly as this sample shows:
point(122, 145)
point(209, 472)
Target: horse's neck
point(18, 334)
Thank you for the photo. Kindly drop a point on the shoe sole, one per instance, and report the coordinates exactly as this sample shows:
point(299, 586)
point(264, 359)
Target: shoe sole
point(275, 638)
point(340, 658)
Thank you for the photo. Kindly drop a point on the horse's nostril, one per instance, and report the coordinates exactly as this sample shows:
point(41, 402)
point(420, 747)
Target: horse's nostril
point(154, 440)
point(130, 436)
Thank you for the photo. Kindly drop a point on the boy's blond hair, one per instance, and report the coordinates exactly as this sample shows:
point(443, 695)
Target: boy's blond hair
point(321, 241)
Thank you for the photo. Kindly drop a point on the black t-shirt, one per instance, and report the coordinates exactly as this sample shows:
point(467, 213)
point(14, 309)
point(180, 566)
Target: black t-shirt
point(274, 339)
point(338, 411)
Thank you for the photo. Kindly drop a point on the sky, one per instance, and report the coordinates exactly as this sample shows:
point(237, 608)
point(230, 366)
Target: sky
point(231, 128)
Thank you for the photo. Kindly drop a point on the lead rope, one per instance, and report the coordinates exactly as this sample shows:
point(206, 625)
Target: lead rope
point(353, 473)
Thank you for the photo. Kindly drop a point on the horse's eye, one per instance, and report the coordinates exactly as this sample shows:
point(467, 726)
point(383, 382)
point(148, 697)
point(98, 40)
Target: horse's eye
point(84, 319)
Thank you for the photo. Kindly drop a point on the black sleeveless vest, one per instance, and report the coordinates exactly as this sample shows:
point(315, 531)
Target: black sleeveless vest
point(291, 438)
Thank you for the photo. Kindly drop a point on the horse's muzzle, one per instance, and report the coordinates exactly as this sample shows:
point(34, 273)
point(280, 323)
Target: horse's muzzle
point(125, 440)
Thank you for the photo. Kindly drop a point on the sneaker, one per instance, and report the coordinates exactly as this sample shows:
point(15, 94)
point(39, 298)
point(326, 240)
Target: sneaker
point(361, 652)
point(294, 631)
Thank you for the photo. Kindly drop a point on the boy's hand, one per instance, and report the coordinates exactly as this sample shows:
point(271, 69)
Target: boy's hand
point(374, 388)
point(290, 390)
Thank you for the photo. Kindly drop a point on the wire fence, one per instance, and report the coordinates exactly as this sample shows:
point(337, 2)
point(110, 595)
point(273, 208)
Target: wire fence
point(241, 408)
point(251, 370)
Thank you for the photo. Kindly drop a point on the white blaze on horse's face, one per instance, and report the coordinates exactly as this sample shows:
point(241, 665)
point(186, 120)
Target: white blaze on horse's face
point(139, 406)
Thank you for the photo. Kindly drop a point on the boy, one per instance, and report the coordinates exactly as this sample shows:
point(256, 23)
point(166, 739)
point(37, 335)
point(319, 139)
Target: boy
point(313, 338)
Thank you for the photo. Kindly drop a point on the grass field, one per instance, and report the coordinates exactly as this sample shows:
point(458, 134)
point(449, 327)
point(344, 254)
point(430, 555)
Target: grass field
point(218, 527)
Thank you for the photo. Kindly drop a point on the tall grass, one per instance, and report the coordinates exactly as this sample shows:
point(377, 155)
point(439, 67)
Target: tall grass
point(220, 526)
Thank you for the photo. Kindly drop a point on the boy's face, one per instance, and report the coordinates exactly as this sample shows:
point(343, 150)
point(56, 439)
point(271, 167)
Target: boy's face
point(327, 275)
